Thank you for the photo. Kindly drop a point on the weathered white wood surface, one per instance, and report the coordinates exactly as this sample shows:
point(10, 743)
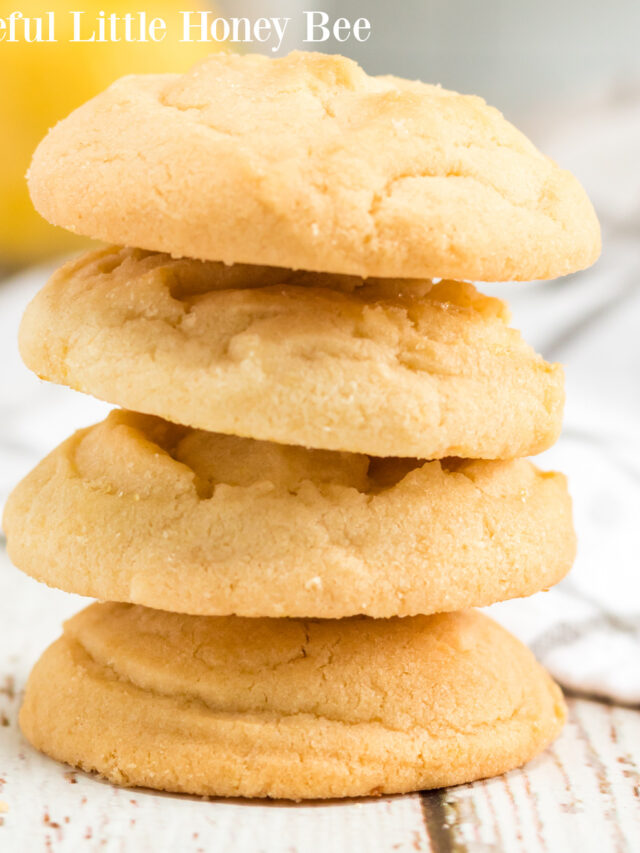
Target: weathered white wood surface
point(582, 795)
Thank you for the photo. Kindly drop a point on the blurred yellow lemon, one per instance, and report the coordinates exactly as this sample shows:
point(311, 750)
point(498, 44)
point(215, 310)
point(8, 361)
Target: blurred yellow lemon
point(41, 83)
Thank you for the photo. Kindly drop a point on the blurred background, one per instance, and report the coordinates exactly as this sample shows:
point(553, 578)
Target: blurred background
point(568, 73)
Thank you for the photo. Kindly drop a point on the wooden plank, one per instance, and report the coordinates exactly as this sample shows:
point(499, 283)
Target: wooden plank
point(583, 794)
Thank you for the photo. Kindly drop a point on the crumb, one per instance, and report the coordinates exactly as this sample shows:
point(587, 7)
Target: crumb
point(8, 689)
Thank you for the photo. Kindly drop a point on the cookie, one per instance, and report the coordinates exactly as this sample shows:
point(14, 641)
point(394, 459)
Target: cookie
point(306, 162)
point(137, 509)
point(225, 706)
point(322, 361)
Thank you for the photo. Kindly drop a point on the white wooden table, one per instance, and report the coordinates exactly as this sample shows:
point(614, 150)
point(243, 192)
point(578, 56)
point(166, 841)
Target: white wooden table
point(581, 795)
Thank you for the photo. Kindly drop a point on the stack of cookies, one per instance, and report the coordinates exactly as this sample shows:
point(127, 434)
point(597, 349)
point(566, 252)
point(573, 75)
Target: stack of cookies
point(317, 469)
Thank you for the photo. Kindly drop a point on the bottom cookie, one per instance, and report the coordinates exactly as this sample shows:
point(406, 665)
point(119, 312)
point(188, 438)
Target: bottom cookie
point(288, 708)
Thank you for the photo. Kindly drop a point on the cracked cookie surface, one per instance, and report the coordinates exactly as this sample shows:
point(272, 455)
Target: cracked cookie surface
point(290, 708)
point(137, 509)
point(307, 162)
point(384, 367)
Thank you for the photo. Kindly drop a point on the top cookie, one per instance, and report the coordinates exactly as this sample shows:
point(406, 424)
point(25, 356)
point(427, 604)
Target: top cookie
point(306, 162)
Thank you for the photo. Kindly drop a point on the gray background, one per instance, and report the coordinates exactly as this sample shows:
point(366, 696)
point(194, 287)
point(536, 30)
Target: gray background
point(515, 54)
